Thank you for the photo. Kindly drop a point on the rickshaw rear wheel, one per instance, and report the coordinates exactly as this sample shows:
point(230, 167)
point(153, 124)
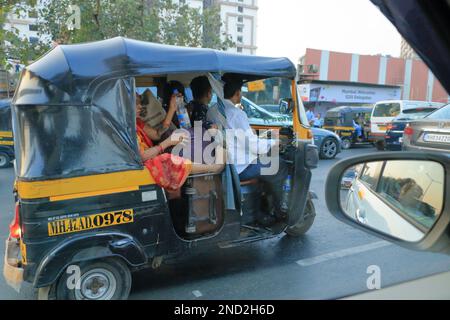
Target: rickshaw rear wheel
point(108, 279)
point(346, 143)
point(306, 223)
point(5, 160)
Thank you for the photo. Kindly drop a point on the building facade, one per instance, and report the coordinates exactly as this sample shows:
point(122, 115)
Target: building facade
point(414, 78)
point(406, 52)
point(25, 24)
point(239, 22)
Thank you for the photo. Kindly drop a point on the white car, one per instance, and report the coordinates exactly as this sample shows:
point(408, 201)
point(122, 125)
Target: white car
point(396, 199)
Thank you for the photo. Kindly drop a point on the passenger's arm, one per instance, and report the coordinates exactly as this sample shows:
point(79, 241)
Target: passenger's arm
point(153, 152)
point(170, 112)
point(256, 145)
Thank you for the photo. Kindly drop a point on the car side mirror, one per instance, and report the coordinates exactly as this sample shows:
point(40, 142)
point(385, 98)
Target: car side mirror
point(399, 196)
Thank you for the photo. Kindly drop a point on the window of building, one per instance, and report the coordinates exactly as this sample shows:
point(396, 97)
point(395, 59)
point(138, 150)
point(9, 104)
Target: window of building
point(240, 9)
point(240, 19)
point(239, 49)
point(240, 29)
point(240, 39)
point(32, 27)
point(34, 40)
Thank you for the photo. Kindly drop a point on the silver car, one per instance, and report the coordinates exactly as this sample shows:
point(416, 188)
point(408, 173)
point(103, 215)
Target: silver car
point(431, 133)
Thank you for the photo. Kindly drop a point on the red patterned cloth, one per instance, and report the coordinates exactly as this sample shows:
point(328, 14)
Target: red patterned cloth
point(169, 171)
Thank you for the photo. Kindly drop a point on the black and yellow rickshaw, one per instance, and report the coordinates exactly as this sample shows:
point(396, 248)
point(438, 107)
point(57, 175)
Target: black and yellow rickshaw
point(87, 211)
point(344, 122)
point(6, 135)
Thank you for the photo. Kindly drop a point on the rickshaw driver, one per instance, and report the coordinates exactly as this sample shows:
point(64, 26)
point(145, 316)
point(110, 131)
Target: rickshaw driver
point(248, 160)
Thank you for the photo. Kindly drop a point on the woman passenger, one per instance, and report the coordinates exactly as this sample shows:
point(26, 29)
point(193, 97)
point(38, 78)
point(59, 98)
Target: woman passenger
point(168, 170)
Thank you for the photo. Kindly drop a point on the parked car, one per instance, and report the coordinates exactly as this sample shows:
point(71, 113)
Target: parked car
point(385, 112)
point(394, 132)
point(274, 108)
point(329, 143)
point(431, 133)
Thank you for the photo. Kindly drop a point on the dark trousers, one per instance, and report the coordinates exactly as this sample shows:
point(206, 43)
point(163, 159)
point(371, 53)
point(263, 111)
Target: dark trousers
point(274, 182)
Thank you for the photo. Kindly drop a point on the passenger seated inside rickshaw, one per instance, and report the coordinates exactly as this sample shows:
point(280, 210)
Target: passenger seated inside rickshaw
point(188, 184)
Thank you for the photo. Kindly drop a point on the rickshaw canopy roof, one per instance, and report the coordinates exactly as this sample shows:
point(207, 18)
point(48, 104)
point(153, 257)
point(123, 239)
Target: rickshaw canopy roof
point(69, 74)
point(345, 110)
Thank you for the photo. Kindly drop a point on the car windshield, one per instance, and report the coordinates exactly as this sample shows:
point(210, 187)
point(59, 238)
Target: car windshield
point(386, 110)
point(414, 114)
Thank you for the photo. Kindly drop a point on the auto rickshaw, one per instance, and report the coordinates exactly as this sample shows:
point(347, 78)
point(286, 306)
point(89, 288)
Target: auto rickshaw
point(6, 135)
point(88, 213)
point(344, 121)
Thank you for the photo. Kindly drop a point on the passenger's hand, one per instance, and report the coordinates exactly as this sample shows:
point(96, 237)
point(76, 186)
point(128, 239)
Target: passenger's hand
point(179, 138)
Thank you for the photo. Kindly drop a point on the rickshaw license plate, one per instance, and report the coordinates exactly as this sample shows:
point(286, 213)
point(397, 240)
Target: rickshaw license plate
point(382, 128)
point(95, 221)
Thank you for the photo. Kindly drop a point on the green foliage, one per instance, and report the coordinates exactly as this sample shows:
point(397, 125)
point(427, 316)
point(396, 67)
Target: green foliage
point(159, 21)
point(11, 45)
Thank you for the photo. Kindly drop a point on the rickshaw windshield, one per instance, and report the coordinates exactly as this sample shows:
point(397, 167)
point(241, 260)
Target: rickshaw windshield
point(74, 109)
point(271, 100)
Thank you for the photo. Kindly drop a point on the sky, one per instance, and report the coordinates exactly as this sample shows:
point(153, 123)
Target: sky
point(287, 27)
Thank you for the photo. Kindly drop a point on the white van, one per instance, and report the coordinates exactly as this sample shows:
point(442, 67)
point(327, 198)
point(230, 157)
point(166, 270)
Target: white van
point(385, 111)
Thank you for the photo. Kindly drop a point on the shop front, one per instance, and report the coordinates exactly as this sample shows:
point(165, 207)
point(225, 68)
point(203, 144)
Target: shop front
point(324, 95)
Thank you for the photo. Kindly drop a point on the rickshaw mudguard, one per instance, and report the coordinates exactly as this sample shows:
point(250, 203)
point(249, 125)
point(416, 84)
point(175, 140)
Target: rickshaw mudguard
point(86, 248)
point(306, 158)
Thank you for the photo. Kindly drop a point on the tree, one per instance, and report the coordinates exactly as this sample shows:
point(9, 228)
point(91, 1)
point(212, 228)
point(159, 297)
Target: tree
point(12, 46)
point(161, 21)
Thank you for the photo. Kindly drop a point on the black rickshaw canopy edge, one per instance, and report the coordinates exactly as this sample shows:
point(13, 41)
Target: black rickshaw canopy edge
point(69, 74)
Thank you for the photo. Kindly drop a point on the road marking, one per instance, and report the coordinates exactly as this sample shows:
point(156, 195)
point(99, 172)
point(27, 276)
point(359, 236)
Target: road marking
point(342, 253)
point(197, 293)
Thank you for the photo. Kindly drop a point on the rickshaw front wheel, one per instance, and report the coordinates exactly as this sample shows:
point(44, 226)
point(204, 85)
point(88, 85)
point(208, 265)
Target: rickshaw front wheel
point(108, 279)
point(306, 223)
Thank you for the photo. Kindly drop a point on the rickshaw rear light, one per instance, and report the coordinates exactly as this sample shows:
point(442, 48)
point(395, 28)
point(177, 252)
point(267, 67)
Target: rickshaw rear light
point(14, 227)
point(310, 135)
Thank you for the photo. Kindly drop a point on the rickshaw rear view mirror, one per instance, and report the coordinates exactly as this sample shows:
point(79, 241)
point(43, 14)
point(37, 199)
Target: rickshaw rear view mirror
point(398, 196)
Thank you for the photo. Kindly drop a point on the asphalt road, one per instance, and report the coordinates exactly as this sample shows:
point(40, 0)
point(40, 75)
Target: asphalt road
point(331, 261)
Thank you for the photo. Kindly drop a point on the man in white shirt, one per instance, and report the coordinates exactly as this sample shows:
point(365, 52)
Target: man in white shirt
point(253, 157)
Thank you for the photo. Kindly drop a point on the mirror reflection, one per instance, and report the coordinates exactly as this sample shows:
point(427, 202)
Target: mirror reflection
point(401, 198)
